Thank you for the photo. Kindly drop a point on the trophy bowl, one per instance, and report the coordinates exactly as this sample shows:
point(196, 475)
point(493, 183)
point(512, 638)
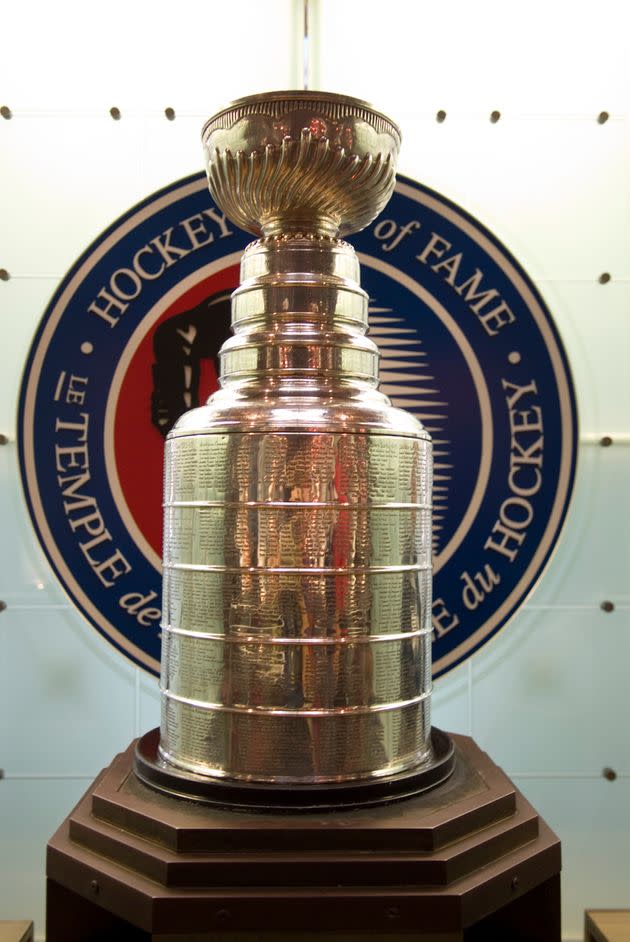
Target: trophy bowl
point(301, 161)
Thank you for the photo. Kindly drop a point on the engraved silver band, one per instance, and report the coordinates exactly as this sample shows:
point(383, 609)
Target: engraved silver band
point(302, 712)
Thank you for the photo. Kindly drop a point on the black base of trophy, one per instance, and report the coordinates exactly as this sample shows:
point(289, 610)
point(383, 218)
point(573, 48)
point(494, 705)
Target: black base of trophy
point(255, 796)
point(468, 861)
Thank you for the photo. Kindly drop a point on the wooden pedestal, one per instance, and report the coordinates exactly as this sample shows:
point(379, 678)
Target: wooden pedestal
point(470, 860)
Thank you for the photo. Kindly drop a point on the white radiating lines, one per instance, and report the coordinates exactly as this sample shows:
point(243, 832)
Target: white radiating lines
point(406, 377)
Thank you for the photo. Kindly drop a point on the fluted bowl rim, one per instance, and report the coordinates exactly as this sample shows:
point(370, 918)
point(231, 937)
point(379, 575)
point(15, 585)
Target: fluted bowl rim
point(292, 95)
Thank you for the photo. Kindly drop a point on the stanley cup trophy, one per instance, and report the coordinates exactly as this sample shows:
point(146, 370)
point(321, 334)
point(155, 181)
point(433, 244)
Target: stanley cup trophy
point(296, 645)
point(296, 664)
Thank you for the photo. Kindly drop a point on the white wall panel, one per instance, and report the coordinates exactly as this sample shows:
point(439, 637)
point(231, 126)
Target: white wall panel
point(536, 693)
point(592, 559)
point(594, 322)
point(170, 150)
point(27, 579)
point(451, 700)
point(30, 809)
point(541, 184)
point(143, 56)
point(23, 302)
point(552, 57)
point(76, 694)
point(590, 815)
point(544, 185)
point(148, 702)
point(71, 175)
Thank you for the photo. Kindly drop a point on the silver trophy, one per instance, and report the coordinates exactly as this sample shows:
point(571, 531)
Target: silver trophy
point(296, 645)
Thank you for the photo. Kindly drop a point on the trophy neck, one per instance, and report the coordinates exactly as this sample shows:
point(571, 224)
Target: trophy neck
point(299, 317)
point(319, 226)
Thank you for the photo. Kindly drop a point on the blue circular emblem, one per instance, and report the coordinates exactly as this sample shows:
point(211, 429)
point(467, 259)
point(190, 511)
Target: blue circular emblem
point(131, 339)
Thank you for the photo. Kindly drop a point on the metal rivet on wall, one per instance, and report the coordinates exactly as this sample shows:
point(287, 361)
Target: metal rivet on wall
point(115, 113)
point(4, 440)
point(605, 441)
point(1, 773)
point(495, 116)
point(609, 774)
point(604, 278)
point(440, 117)
point(602, 117)
point(4, 275)
point(6, 112)
point(3, 605)
point(607, 606)
point(170, 114)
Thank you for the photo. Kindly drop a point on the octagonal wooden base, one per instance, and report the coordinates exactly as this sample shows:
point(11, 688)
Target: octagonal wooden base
point(470, 860)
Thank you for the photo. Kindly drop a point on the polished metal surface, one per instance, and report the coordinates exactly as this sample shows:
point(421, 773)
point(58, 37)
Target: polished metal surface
point(309, 160)
point(297, 509)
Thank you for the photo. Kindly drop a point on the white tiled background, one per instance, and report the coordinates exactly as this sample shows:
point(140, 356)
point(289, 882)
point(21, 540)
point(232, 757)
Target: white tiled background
point(548, 698)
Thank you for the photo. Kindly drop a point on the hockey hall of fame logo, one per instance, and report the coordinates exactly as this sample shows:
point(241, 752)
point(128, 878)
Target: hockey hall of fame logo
point(131, 340)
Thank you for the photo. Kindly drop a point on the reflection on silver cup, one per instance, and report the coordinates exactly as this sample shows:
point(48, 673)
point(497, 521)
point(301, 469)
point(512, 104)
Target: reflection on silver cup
point(297, 507)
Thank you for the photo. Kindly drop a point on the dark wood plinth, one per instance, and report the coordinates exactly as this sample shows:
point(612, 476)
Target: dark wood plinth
point(470, 860)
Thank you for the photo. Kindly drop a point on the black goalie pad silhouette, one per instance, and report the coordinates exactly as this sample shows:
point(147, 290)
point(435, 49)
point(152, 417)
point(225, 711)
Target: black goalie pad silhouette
point(179, 346)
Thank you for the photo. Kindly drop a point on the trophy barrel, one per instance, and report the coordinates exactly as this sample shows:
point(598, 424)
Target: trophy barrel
point(297, 509)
